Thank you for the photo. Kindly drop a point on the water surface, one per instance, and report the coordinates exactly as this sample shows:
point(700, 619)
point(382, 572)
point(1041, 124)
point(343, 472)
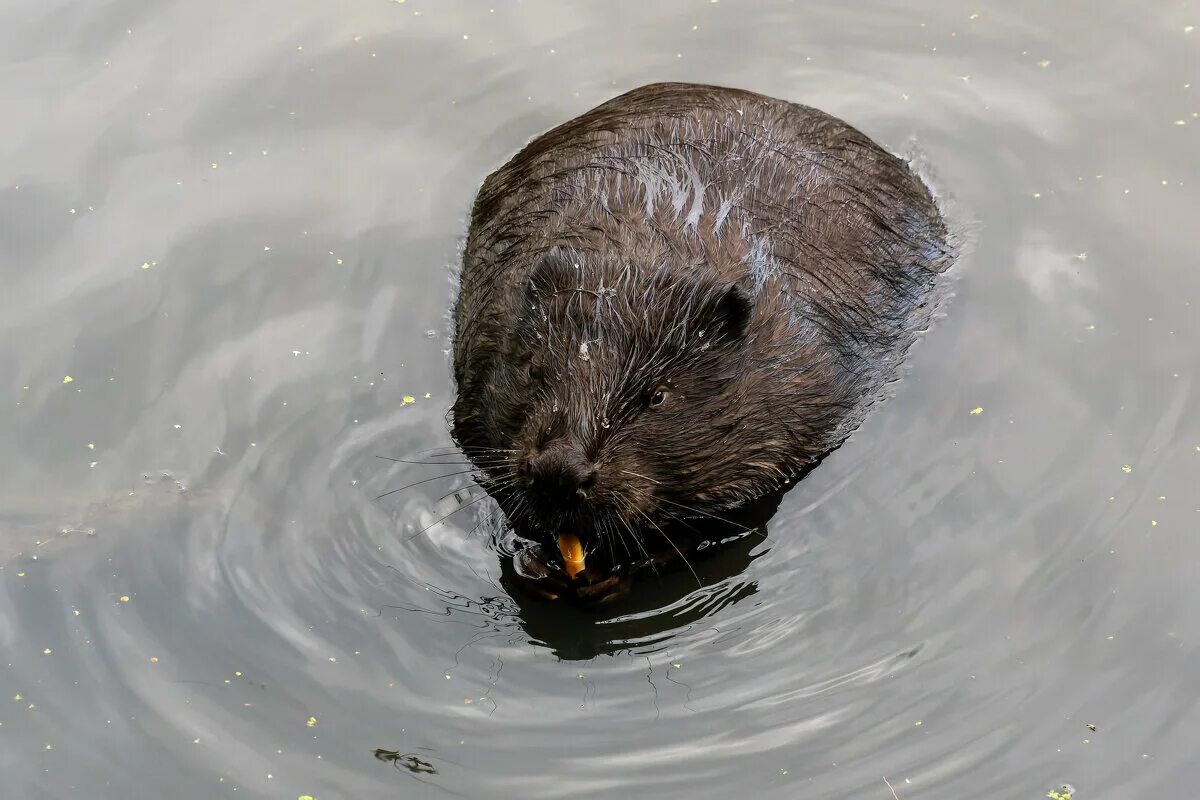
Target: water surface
point(226, 233)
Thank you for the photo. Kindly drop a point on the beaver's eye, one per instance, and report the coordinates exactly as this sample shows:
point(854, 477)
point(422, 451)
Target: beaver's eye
point(657, 398)
point(528, 370)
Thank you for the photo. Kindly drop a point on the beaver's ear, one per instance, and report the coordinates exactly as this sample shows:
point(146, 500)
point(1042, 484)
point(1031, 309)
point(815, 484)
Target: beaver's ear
point(731, 311)
point(553, 271)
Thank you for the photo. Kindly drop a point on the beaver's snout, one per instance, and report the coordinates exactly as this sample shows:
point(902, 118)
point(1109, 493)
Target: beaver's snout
point(560, 476)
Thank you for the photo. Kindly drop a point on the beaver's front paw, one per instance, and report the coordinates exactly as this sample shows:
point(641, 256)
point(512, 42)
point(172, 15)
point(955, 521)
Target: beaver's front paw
point(545, 576)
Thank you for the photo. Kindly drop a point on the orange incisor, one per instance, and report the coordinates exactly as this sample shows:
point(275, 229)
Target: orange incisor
point(572, 553)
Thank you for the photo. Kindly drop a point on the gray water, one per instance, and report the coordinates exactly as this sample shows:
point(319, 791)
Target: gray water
point(226, 233)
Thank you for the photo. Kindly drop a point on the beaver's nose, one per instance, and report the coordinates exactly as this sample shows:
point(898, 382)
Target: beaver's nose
point(561, 474)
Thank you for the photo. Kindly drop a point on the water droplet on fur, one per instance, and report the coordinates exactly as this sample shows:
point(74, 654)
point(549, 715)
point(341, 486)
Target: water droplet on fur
point(604, 423)
point(701, 334)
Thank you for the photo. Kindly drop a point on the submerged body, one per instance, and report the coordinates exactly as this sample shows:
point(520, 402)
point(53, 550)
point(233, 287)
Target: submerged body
point(676, 303)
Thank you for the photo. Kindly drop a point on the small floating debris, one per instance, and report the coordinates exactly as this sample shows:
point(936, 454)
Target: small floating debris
point(408, 761)
point(311, 722)
point(976, 411)
point(68, 379)
point(1064, 792)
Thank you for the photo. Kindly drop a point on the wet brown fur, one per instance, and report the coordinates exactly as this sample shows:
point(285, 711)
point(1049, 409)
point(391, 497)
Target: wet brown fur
point(762, 262)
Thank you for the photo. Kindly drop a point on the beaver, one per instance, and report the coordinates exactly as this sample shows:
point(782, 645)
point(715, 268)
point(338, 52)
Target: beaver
point(675, 304)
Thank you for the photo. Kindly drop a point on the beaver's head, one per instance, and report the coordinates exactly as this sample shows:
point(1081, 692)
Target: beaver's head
point(627, 398)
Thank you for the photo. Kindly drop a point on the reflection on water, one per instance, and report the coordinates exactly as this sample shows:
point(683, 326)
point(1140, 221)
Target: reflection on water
point(656, 611)
point(225, 234)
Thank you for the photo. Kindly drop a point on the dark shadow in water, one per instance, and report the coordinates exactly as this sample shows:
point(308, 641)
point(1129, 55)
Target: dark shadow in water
point(658, 604)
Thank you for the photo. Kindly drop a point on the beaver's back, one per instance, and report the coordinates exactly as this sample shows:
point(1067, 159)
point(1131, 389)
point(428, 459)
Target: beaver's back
point(836, 240)
point(784, 197)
